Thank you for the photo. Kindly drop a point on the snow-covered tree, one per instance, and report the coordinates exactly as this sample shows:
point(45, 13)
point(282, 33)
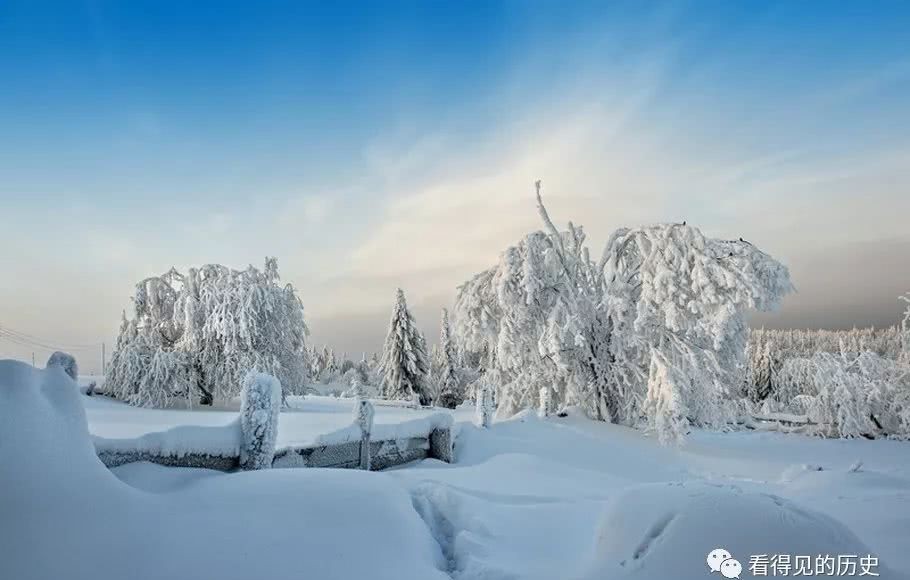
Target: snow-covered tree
point(763, 371)
point(195, 336)
point(905, 331)
point(405, 364)
point(449, 385)
point(362, 384)
point(663, 307)
point(796, 377)
point(65, 361)
point(260, 404)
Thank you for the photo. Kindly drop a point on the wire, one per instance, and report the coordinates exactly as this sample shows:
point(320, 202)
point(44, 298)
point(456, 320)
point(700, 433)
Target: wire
point(24, 339)
point(26, 336)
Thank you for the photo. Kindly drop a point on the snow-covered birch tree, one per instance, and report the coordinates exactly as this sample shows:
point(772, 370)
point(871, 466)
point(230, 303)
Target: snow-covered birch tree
point(654, 330)
point(195, 336)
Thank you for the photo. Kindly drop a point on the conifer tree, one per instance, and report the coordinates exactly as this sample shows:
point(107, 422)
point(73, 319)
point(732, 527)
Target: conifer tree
point(450, 389)
point(405, 363)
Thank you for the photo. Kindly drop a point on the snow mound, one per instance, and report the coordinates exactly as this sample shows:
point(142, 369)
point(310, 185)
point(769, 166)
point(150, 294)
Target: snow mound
point(64, 515)
point(666, 531)
point(44, 437)
point(218, 441)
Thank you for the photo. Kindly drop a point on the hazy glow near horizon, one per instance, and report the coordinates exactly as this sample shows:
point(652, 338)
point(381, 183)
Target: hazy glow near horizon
point(396, 144)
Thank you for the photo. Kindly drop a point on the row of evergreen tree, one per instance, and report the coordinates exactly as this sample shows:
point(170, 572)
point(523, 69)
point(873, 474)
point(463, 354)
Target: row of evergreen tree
point(404, 370)
point(848, 383)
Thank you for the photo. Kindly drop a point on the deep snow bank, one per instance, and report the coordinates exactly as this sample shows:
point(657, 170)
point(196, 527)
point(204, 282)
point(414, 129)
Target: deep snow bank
point(666, 531)
point(64, 515)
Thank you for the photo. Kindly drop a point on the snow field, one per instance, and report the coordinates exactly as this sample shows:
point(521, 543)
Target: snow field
point(562, 498)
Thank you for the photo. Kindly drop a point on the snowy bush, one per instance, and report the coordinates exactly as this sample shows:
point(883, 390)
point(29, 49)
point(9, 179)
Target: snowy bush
point(655, 328)
point(796, 377)
point(260, 405)
point(405, 365)
point(864, 395)
point(66, 361)
point(769, 350)
point(196, 335)
point(361, 383)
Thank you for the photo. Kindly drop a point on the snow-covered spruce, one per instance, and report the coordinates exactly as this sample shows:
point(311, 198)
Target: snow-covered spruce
point(260, 405)
point(548, 314)
point(405, 364)
point(196, 335)
point(770, 352)
point(448, 380)
point(65, 361)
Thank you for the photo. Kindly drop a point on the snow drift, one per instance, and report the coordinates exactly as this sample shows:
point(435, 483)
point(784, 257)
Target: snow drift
point(666, 530)
point(64, 515)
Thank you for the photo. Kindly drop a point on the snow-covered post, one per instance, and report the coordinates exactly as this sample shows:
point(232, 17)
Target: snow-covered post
point(66, 361)
point(363, 417)
point(260, 403)
point(543, 410)
point(442, 444)
point(484, 405)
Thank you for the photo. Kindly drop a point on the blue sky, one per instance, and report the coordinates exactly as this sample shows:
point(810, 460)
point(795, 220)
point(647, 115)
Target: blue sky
point(372, 145)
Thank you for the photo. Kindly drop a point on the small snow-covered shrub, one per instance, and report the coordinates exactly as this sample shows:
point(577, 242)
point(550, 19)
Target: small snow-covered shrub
point(862, 395)
point(260, 404)
point(360, 383)
point(65, 361)
point(796, 377)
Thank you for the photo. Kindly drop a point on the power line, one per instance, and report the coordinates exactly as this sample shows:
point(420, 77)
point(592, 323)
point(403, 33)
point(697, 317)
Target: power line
point(24, 339)
point(27, 336)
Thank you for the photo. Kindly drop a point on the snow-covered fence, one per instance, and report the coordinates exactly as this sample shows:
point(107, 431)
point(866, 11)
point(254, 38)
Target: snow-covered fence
point(385, 445)
point(363, 417)
point(219, 447)
point(260, 404)
point(250, 441)
point(785, 422)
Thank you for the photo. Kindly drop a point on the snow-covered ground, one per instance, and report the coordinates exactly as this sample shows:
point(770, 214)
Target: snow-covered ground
point(561, 498)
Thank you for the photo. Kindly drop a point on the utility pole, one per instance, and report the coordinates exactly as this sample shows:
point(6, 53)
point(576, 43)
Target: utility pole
point(103, 356)
point(33, 359)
